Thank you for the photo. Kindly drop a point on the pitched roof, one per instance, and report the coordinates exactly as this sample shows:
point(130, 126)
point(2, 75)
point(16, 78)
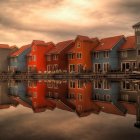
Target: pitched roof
point(20, 50)
point(109, 107)
point(108, 43)
point(83, 38)
point(131, 107)
point(4, 46)
point(60, 46)
point(129, 44)
point(136, 25)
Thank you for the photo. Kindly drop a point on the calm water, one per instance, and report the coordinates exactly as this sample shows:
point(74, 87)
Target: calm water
point(70, 109)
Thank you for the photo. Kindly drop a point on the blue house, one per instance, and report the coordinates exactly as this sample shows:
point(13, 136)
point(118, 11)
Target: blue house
point(19, 91)
point(106, 56)
point(106, 95)
point(18, 59)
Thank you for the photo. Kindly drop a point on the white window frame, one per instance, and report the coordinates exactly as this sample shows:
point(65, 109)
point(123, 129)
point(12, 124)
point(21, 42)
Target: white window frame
point(79, 55)
point(106, 54)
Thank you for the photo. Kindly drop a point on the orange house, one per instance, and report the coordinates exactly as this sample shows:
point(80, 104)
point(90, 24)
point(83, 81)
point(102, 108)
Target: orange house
point(80, 95)
point(57, 57)
point(80, 55)
point(36, 61)
point(37, 93)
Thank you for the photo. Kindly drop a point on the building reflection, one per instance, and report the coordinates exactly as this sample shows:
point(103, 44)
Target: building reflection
point(83, 97)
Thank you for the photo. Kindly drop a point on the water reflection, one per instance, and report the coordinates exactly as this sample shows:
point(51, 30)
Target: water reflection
point(82, 97)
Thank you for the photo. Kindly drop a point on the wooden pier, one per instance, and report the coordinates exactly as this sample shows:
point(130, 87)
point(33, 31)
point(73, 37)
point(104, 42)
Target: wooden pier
point(25, 76)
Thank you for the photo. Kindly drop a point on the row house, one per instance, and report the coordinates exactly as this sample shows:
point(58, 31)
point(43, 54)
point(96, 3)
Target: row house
point(80, 55)
point(18, 59)
point(128, 55)
point(57, 57)
point(36, 59)
point(5, 51)
point(57, 93)
point(105, 55)
point(36, 92)
point(80, 95)
point(106, 95)
point(136, 27)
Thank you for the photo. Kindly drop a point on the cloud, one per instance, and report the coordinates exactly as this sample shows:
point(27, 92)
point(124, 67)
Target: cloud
point(63, 19)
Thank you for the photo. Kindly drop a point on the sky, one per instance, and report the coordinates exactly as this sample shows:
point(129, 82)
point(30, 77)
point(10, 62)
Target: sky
point(22, 21)
point(22, 123)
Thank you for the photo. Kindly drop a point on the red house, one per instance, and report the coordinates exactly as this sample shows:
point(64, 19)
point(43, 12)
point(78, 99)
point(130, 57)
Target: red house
point(57, 57)
point(80, 55)
point(36, 58)
point(37, 93)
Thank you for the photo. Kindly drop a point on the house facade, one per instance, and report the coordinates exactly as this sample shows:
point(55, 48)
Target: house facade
point(80, 95)
point(106, 95)
point(80, 55)
point(36, 59)
point(137, 38)
point(36, 92)
point(128, 55)
point(106, 56)
point(18, 59)
point(57, 57)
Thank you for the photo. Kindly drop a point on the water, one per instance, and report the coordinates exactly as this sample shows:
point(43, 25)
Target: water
point(70, 109)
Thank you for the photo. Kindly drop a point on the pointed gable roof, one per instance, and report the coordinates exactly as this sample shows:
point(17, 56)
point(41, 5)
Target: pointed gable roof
point(108, 43)
point(129, 44)
point(20, 50)
point(60, 46)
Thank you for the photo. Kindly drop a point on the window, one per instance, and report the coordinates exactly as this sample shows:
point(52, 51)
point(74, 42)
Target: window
point(79, 107)
point(97, 84)
point(72, 84)
point(34, 57)
point(126, 85)
point(78, 45)
point(106, 54)
point(106, 67)
point(79, 55)
point(55, 85)
point(138, 52)
point(55, 57)
point(80, 84)
point(79, 97)
point(32, 84)
point(55, 67)
point(49, 85)
point(48, 67)
point(138, 39)
point(108, 98)
point(34, 48)
point(72, 68)
point(96, 55)
point(34, 94)
point(106, 85)
point(124, 54)
point(71, 96)
point(15, 59)
point(48, 58)
point(124, 97)
point(71, 56)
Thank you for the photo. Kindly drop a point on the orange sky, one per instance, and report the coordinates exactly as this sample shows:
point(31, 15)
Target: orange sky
point(56, 20)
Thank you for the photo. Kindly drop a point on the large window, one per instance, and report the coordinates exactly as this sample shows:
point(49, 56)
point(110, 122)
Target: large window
point(55, 57)
point(126, 85)
point(96, 55)
point(106, 67)
point(106, 54)
point(97, 84)
point(72, 68)
point(80, 84)
point(106, 85)
point(79, 97)
point(79, 55)
point(72, 84)
point(71, 56)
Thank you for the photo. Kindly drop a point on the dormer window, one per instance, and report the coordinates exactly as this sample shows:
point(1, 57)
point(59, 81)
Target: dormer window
point(124, 54)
